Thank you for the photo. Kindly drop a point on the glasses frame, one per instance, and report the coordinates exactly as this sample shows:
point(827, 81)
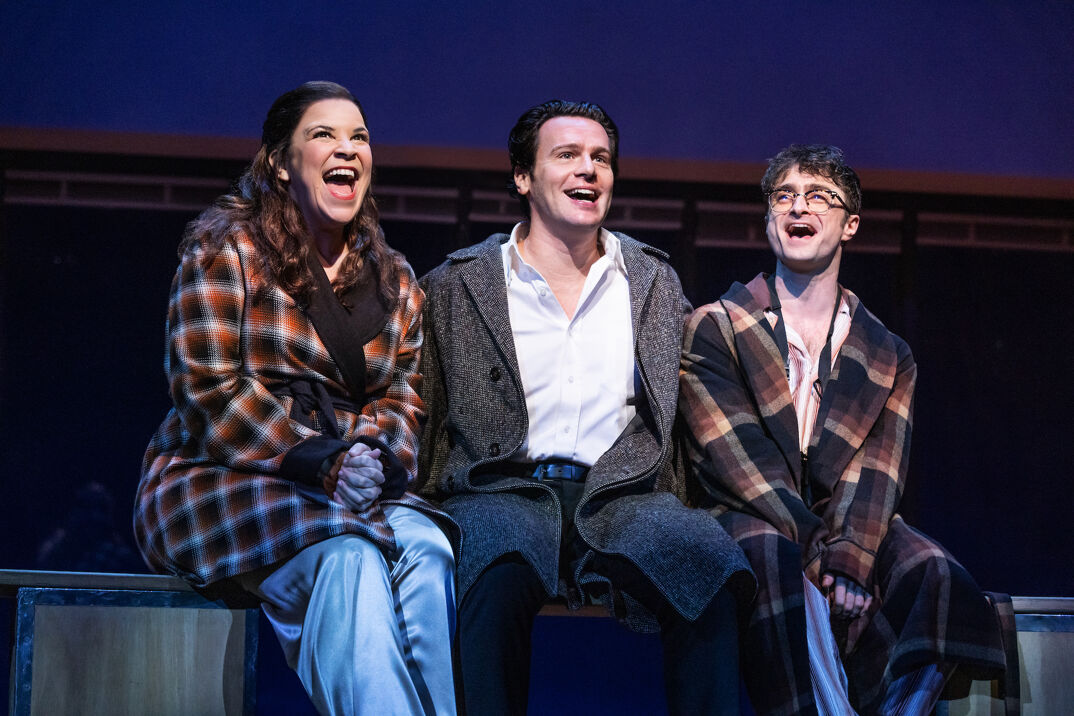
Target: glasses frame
point(796, 194)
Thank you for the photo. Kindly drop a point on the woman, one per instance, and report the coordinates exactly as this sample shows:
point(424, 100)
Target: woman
point(294, 334)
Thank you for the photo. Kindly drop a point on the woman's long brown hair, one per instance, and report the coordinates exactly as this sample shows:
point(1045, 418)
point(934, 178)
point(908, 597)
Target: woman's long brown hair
point(260, 206)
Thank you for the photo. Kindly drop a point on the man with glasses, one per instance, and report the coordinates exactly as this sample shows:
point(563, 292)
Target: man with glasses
point(798, 403)
point(551, 377)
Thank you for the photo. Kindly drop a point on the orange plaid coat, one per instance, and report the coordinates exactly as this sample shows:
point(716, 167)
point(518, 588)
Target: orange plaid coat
point(229, 481)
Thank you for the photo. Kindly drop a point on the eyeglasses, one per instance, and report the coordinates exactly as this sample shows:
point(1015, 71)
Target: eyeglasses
point(817, 201)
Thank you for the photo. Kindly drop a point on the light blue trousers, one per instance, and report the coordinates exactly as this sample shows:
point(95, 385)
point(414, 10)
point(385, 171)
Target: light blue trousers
point(368, 634)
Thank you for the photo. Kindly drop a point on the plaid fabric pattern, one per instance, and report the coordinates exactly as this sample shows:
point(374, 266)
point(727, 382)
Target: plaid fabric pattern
point(743, 448)
point(212, 503)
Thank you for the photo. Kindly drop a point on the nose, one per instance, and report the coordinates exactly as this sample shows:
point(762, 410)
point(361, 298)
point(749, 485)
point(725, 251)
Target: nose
point(586, 167)
point(795, 207)
point(346, 147)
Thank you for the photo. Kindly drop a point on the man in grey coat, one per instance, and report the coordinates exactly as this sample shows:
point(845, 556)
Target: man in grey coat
point(550, 377)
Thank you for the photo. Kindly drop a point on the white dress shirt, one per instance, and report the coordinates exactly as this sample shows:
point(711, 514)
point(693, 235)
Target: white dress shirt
point(577, 373)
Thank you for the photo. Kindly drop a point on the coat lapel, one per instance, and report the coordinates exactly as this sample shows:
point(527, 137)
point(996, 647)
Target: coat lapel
point(861, 381)
point(483, 278)
point(640, 275)
point(762, 366)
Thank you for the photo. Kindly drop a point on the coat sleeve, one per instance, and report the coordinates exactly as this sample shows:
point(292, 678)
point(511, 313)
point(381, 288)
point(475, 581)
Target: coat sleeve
point(732, 456)
point(394, 413)
point(868, 492)
point(234, 417)
point(434, 443)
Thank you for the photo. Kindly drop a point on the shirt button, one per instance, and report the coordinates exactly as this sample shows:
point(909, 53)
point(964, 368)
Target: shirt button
point(570, 378)
point(495, 373)
point(494, 449)
point(566, 428)
point(541, 292)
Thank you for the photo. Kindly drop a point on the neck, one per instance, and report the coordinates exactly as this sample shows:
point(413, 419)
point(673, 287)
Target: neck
point(559, 254)
point(806, 296)
point(330, 249)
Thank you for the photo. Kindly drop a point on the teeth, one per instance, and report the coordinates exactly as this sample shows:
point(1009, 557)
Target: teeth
point(341, 172)
point(586, 194)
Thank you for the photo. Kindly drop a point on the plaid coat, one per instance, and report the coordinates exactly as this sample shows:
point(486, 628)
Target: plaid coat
point(629, 510)
point(743, 447)
point(229, 480)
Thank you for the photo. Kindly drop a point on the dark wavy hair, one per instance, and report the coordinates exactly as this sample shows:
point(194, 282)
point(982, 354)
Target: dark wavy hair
point(260, 207)
point(522, 143)
point(822, 160)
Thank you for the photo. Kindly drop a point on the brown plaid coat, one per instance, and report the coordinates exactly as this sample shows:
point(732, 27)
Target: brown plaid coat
point(743, 447)
point(229, 479)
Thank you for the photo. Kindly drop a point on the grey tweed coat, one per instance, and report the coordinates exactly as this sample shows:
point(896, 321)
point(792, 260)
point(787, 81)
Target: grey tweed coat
point(629, 510)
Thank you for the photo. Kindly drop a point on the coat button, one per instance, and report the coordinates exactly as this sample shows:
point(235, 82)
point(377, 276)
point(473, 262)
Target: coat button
point(495, 373)
point(494, 449)
point(451, 482)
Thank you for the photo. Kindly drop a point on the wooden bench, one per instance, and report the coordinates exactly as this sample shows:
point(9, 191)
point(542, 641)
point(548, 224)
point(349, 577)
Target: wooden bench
point(88, 643)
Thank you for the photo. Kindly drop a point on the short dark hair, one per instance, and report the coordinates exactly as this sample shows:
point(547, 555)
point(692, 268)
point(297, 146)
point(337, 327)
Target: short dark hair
point(522, 143)
point(821, 160)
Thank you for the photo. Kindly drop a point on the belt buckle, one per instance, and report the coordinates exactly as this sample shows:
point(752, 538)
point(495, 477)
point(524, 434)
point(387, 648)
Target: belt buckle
point(555, 471)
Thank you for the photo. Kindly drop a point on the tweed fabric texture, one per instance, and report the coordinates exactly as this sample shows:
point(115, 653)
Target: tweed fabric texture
point(218, 495)
point(745, 457)
point(477, 417)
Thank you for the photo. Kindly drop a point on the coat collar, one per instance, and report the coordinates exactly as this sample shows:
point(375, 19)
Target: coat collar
point(861, 380)
point(762, 365)
point(481, 270)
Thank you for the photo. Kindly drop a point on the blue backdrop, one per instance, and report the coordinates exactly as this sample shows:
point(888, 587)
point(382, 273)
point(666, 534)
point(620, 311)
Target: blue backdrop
point(982, 86)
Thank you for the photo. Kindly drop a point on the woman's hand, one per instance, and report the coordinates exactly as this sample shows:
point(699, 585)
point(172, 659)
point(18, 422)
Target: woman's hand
point(360, 478)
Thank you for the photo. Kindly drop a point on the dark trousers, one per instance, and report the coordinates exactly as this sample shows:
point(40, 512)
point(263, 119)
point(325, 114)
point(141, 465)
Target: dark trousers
point(496, 620)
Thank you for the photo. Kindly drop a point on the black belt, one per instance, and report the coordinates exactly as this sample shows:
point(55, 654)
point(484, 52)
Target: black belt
point(541, 471)
point(559, 471)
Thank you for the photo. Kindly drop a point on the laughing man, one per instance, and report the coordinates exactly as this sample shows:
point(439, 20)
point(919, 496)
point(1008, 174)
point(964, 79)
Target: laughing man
point(799, 405)
point(551, 377)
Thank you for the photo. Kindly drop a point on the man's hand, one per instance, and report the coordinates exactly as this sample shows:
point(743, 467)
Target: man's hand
point(360, 478)
point(848, 599)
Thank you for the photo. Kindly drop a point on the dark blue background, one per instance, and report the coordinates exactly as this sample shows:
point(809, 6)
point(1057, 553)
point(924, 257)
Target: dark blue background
point(978, 86)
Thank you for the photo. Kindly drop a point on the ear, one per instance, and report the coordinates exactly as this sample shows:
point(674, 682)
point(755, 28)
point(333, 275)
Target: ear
point(522, 181)
point(850, 227)
point(281, 173)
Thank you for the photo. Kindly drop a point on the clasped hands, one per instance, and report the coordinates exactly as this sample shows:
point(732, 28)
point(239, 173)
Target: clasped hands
point(360, 478)
point(848, 599)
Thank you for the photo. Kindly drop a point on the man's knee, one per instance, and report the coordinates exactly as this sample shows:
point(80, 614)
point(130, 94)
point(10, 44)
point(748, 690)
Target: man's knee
point(507, 585)
point(774, 558)
point(911, 556)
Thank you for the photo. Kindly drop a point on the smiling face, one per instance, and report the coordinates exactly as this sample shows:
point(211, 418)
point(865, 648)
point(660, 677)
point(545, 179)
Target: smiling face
point(328, 166)
point(570, 186)
point(805, 242)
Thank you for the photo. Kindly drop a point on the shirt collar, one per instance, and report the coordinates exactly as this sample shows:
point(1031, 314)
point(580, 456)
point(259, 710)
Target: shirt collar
point(513, 261)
